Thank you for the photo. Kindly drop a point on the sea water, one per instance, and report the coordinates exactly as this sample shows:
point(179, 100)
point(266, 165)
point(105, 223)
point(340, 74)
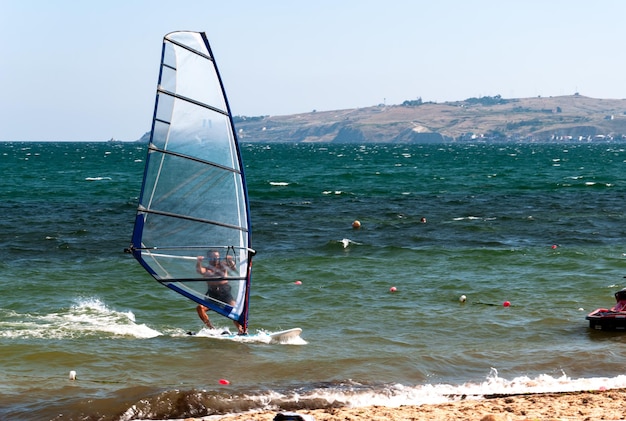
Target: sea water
point(541, 226)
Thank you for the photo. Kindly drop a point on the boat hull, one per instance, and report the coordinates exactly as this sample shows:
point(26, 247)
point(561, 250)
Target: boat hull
point(604, 319)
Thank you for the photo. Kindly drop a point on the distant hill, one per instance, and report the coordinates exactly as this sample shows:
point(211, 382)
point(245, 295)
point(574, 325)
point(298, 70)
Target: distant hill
point(563, 118)
point(550, 119)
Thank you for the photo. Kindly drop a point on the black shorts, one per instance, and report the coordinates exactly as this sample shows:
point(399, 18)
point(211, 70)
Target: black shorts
point(220, 293)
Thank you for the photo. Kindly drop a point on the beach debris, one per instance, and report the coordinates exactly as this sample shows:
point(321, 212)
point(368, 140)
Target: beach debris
point(293, 416)
point(462, 298)
point(224, 382)
point(506, 304)
point(393, 289)
point(298, 282)
point(72, 375)
point(356, 224)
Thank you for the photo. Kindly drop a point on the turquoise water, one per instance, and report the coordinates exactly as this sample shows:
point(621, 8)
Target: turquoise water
point(540, 226)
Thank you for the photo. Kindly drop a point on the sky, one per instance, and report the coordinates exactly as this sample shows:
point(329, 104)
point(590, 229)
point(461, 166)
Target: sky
point(87, 70)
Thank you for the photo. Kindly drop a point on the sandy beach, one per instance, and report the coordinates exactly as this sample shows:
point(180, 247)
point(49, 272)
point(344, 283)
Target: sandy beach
point(584, 406)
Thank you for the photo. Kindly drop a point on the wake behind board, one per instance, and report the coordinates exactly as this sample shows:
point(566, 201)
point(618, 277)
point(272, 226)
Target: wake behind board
point(289, 336)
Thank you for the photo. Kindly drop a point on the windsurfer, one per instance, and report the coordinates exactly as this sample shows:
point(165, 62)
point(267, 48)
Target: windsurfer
point(218, 289)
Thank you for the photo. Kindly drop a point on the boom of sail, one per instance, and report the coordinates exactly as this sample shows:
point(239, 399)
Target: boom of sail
point(194, 204)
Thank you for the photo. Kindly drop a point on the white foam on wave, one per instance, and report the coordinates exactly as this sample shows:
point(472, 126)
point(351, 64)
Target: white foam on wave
point(346, 242)
point(260, 336)
point(496, 385)
point(396, 395)
point(226, 334)
point(87, 317)
point(474, 218)
point(97, 178)
point(593, 183)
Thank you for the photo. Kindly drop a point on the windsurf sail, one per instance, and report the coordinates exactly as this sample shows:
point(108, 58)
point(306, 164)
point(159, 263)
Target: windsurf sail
point(193, 210)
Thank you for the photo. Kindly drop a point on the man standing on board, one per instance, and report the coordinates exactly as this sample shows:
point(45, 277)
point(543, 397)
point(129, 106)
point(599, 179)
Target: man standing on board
point(219, 289)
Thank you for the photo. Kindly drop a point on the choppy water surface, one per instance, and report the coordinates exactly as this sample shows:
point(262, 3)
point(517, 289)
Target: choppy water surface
point(540, 226)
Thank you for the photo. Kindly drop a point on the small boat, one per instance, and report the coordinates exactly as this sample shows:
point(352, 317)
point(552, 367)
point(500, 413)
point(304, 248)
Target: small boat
point(610, 319)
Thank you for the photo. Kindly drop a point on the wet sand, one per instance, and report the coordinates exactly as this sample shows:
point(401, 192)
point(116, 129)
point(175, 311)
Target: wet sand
point(585, 406)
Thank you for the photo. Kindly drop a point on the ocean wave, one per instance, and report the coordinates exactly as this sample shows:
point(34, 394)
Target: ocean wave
point(215, 404)
point(88, 317)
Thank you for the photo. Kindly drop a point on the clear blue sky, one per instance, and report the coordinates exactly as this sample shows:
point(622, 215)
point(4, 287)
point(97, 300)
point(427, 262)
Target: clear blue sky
point(87, 70)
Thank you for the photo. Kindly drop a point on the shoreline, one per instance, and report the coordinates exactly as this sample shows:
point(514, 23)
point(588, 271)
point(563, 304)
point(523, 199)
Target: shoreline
point(583, 405)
